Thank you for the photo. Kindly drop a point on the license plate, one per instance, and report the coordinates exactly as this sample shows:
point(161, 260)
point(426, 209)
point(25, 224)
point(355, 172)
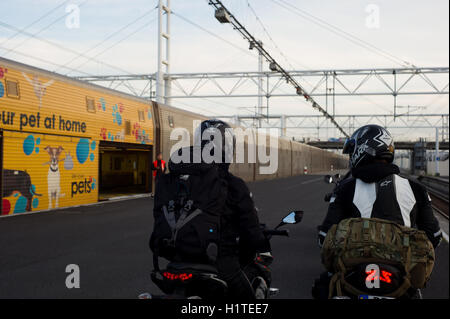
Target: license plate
point(370, 297)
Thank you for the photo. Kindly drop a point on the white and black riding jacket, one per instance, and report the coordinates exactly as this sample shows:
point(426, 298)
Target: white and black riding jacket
point(377, 191)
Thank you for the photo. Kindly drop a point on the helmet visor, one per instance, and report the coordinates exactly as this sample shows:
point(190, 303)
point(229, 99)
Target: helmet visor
point(349, 146)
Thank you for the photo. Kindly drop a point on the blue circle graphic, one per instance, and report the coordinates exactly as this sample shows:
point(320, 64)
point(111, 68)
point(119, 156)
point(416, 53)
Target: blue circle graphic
point(83, 150)
point(92, 157)
point(28, 145)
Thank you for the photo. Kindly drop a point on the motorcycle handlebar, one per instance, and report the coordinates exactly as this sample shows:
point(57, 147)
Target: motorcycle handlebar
point(284, 233)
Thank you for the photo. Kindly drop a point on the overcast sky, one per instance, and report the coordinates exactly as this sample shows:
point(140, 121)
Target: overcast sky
point(413, 31)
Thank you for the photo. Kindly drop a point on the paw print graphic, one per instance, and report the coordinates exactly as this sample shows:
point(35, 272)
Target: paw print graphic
point(93, 182)
point(102, 104)
point(3, 71)
point(30, 145)
point(103, 132)
point(2, 88)
point(136, 130)
point(84, 148)
point(117, 117)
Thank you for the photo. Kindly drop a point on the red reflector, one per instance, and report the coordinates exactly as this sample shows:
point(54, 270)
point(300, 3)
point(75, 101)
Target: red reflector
point(182, 277)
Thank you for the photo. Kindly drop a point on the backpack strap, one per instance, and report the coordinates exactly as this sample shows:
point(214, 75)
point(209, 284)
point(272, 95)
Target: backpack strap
point(169, 213)
point(185, 217)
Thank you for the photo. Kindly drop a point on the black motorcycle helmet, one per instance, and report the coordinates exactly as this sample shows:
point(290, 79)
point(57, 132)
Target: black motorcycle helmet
point(369, 143)
point(211, 129)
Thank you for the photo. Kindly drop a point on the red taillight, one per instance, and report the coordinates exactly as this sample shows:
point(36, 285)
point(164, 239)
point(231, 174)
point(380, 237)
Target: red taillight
point(181, 277)
point(385, 276)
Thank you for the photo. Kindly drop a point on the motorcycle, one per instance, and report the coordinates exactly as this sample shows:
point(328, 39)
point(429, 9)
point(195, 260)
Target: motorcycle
point(181, 280)
point(369, 281)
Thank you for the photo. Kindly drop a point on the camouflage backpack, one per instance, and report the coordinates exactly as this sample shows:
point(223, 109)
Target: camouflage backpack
point(357, 241)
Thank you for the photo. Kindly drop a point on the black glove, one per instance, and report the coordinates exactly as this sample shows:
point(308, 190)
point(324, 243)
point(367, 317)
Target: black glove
point(321, 237)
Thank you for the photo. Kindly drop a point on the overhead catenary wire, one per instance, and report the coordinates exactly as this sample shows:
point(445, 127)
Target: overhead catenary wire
point(35, 35)
point(89, 74)
point(285, 57)
point(112, 35)
point(269, 36)
point(34, 22)
point(118, 42)
point(258, 19)
point(59, 46)
point(212, 33)
point(275, 66)
point(340, 32)
point(34, 57)
point(83, 54)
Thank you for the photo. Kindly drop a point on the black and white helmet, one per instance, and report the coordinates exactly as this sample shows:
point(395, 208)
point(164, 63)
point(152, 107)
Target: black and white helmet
point(368, 143)
point(216, 135)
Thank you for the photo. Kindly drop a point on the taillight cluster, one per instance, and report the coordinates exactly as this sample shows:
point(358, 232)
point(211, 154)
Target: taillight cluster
point(181, 277)
point(385, 276)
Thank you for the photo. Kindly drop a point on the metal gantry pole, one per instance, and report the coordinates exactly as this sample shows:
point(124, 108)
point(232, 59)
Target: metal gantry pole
point(168, 81)
point(437, 151)
point(163, 83)
point(260, 87)
point(160, 74)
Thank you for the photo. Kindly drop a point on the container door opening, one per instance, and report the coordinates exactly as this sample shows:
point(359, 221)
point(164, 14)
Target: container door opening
point(124, 170)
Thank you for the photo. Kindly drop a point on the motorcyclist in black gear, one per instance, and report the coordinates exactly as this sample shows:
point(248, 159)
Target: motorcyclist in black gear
point(376, 190)
point(236, 259)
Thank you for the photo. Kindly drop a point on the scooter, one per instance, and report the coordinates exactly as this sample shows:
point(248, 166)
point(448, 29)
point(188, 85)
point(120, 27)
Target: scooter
point(196, 281)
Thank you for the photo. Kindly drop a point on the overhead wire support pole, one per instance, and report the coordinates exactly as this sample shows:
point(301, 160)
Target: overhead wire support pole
point(163, 82)
point(274, 65)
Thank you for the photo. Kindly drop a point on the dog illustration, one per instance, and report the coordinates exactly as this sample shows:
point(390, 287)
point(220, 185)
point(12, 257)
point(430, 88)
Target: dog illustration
point(18, 182)
point(54, 175)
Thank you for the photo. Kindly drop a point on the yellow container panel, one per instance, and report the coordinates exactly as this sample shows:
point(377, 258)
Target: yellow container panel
point(42, 172)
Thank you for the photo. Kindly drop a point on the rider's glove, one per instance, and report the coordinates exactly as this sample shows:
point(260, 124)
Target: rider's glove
point(321, 238)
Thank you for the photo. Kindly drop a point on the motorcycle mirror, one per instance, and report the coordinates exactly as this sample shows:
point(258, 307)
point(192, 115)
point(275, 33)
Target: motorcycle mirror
point(293, 218)
point(328, 179)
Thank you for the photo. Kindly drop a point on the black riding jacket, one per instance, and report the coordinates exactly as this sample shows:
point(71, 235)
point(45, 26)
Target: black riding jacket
point(242, 218)
point(239, 219)
point(377, 191)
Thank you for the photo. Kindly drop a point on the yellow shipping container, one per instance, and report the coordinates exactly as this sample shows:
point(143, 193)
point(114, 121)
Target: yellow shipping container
point(54, 131)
